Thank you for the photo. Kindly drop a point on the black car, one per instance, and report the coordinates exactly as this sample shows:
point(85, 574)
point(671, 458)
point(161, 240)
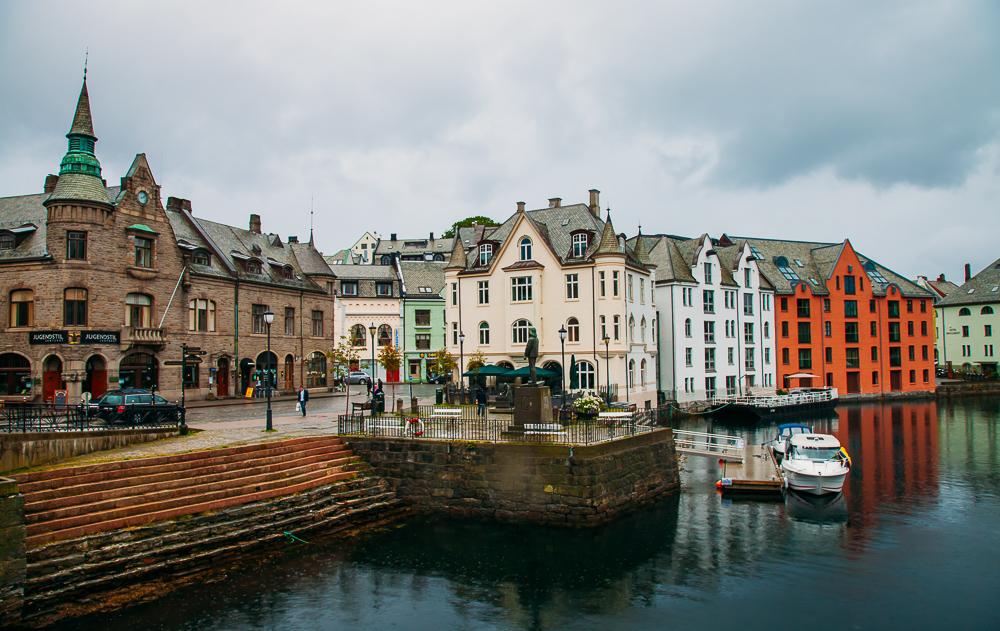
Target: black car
point(134, 406)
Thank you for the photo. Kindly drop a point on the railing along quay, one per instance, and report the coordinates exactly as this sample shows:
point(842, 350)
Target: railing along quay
point(463, 424)
point(75, 418)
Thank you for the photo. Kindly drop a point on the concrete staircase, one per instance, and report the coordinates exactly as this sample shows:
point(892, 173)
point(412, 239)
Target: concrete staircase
point(101, 527)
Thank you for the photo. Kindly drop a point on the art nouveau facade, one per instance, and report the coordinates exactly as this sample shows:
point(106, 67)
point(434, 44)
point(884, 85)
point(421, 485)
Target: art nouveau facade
point(716, 318)
point(369, 296)
point(550, 268)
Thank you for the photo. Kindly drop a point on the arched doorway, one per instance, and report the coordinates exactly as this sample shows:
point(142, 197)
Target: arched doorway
point(51, 377)
point(222, 377)
point(316, 370)
point(289, 372)
point(139, 370)
point(96, 379)
point(554, 382)
point(267, 363)
point(15, 375)
point(246, 374)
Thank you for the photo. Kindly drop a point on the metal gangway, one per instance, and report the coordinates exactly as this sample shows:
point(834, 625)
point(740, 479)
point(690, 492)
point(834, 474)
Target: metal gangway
point(728, 448)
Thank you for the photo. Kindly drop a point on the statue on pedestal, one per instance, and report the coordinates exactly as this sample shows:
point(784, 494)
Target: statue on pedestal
point(531, 354)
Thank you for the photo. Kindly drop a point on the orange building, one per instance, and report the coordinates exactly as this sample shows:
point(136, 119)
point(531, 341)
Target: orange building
point(845, 320)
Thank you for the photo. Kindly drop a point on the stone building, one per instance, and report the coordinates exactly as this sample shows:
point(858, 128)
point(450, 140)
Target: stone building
point(104, 284)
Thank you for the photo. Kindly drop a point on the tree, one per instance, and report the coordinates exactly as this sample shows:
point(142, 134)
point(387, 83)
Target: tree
point(390, 359)
point(475, 220)
point(342, 357)
point(444, 362)
point(476, 360)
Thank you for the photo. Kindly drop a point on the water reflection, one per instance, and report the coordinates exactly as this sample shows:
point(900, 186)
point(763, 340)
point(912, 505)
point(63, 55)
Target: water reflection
point(911, 542)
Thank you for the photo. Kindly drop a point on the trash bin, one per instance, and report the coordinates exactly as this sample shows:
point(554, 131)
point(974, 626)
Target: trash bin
point(439, 396)
point(378, 403)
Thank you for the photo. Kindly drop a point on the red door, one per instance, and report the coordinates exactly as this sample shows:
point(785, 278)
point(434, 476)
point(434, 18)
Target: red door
point(98, 383)
point(392, 376)
point(51, 381)
point(222, 379)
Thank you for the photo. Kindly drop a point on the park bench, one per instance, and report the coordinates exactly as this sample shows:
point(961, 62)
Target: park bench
point(383, 424)
point(547, 429)
point(452, 414)
point(615, 416)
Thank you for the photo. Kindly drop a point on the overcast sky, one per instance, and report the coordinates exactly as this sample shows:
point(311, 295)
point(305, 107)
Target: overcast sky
point(800, 120)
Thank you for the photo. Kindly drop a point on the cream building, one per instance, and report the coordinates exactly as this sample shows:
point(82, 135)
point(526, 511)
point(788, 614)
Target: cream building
point(968, 324)
point(550, 268)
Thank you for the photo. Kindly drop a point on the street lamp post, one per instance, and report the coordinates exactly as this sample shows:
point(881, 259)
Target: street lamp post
point(607, 366)
point(268, 319)
point(371, 331)
point(562, 352)
point(461, 362)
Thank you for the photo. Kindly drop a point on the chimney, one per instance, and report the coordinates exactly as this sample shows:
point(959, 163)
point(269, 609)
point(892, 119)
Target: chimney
point(50, 182)
point(555, 202)
point(520, 207)
point(392, 237)
point(940, 278)
point(293, 239)
point(432, 236)
point(178, 204)
point(595, 202)
point(968, 272)
point(255, 223)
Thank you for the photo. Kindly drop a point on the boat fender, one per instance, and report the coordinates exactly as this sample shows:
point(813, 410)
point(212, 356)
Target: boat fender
point(724, 482)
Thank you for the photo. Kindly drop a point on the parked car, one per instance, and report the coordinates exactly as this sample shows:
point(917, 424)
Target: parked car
point(133, 406)
point(438, 379)
point(358, 376)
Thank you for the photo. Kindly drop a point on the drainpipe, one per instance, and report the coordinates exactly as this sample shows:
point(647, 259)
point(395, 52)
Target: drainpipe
point(738, 333)
point(882, 347)
point(236, 334)
point(302, 344)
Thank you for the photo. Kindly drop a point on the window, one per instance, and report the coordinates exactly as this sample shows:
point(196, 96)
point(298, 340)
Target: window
point(600, 276)
point(895, 357)
point(805, 358)
point(909, 328)
point(7, 241)
point(849, 287)
point(747, 304)
point(731, 356)
point(138, 310)
point(642, 291)
point(630, 285)
point(359, 336)
point(805, 334)
point(604, 327)
point(765, 301)
point(872, 307)
point(617, 327)
point(454, 333)
point(76, 245)
point(709, 360)
point(710, 387)
point(642, 372)
point(784, 304)
point(317, 323)
point(485, 253)
point(747, 277)
point(923, 326)
point(688, 357)
point(585, 373)
point(579, 245)
point(143, 252)
point(782, 264)
point(520, 331)
point(853, 358)
point(201, 257)
point(850, 308)
point(614, 284)
point(987, 310)
point(631, 328)
point(827, 329)
point(988, 330)
point(708, 273)
point(874, 353)
point(784, 329)
point(201, 315)
point(642, 329)
point(75, 307)
point(15, 375)
point(708, 300)
point(748, 359)
point(520, 288)
point(911, 352)
point(687, 296)
point(573, 330)
point(909, 306)
point(710, 332)
point(893, 308)
point(384, 335)
point(525, 246)
point(572, 286)
point(894, 331)
point(423, 341)
point(687, 327)
point(484, 292)
point(826, 305)
point(802, 304)
point(874, 377)
point(874, 329)
point(767, 330)
point(289, 321)
point(925, 370)
point(349, 288)
point(22, 307)
point(316, 370)
point(484, 333)
point(784, 356)
point(729, 299)
point(767, 356)
point(454, 294)
point(631, 372)
point(851, 332)
point(257, 318)
point(383, 289)
point(923, 353)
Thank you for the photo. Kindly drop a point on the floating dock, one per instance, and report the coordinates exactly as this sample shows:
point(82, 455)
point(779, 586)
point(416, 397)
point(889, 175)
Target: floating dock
point(758, 475)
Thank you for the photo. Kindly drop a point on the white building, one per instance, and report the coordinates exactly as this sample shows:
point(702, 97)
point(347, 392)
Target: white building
point(716, 318)
point(550, 268)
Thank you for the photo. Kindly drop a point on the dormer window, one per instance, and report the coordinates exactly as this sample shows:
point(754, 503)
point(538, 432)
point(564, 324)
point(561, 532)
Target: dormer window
point(252, 267)
point(525, 246)
point(349, 288)
point(201, 257)
point(7, 241)
point(485, 253)
point(579, 245)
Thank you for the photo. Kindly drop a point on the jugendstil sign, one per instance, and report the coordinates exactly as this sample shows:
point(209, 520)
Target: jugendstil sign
point(74, 337)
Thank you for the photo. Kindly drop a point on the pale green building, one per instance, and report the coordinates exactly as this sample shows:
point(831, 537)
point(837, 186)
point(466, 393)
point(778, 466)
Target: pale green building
point(423, 316)
point(968, 323)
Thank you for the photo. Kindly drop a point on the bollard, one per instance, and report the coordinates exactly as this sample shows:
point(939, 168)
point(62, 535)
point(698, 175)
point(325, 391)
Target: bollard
point(413, 406)
point(399, 405)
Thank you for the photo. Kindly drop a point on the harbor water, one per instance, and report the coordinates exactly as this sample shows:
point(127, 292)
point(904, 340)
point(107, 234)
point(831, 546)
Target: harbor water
point(913, 542)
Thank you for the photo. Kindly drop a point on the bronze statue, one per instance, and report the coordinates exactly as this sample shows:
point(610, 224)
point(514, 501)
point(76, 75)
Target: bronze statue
point(531, 354)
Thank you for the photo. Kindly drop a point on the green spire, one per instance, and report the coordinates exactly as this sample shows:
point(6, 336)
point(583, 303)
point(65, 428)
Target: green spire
point(80, 156)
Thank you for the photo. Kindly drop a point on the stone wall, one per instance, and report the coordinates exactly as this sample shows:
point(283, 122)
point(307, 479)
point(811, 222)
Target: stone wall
point(19, 451)
point(12, 560)
point(968, 388)
point(548, 484)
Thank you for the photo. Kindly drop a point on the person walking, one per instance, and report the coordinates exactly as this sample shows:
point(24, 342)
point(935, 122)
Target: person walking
point(481, 401)
point(303, 399)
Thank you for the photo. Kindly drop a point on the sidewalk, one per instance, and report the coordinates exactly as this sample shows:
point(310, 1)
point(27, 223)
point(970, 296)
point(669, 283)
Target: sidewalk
point(211, 403)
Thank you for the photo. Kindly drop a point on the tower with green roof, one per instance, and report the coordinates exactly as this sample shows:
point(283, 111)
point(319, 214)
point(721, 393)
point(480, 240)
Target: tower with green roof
point(80, 171)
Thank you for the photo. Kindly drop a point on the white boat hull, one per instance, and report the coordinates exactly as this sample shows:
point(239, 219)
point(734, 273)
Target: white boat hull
point(815, 484)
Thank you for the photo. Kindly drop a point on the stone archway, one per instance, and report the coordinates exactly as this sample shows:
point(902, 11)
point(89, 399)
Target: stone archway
point(95, 379)
point(52, 378)
point(139, 370)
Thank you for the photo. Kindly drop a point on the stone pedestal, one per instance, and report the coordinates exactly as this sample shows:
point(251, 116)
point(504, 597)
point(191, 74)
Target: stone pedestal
point(532, 405)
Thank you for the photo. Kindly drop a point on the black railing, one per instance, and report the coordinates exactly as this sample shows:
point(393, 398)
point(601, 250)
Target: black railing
point(463, 423)
point(52, 418)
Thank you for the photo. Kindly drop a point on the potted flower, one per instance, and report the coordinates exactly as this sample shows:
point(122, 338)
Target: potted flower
point(587, 406)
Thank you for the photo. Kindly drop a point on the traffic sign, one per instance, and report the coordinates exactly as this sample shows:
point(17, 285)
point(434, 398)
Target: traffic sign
point(197, 351)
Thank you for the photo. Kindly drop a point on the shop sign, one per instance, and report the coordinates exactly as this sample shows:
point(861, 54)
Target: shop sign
point(74, 337)
point(48, 337)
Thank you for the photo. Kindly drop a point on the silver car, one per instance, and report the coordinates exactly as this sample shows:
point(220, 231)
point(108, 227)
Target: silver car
point(358, 376)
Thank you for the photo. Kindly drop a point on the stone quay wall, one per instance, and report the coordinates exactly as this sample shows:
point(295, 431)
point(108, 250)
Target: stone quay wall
point(560, 485)
point(968, 388)
point(19, 451)
point(12, 559)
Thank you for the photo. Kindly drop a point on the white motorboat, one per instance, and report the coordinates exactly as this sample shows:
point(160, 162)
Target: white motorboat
point(785, 431)
point(815, 464)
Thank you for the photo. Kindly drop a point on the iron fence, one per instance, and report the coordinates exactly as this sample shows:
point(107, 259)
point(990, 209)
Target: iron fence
point(462, 423)
point(75, 418)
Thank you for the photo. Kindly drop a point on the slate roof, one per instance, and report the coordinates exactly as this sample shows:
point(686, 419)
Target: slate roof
point(411, 246)
point(80, 186)
point(982, 288)
point(241, 243)
point(365, 272)
point(674, 256)
point(310, 259)
point(185, 234)
point(943, 287)
point(342, 257)
point(417, 274)
point(83, 123)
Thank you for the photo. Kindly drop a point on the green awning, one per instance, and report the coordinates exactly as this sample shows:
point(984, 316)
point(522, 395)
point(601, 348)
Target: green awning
point(539, 372)
point(142, 228)
point(488, 371)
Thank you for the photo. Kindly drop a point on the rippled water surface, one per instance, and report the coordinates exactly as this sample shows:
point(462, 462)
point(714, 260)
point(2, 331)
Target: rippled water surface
point(914, 542)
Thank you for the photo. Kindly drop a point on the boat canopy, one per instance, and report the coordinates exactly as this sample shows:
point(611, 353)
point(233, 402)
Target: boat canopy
point(815, 441)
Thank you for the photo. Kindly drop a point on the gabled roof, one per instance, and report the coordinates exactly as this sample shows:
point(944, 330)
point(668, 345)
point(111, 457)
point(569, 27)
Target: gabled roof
point(310, 261)
point(982, 288)
point(365, 272)
point(423, 279)
point(241, 244)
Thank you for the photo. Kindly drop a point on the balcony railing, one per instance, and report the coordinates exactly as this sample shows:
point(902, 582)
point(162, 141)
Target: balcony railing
point(144, 335)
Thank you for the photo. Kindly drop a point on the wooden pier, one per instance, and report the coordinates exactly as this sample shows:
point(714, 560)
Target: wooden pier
point(758, 474)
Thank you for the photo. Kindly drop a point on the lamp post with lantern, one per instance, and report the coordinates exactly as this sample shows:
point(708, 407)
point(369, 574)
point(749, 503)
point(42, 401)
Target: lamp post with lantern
point(268, 320)
point(461, 363)
point(371, 331)
point(562, 352)
point(607, 367)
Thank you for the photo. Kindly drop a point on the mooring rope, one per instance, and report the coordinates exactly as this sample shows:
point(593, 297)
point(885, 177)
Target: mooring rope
point(293, 537)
